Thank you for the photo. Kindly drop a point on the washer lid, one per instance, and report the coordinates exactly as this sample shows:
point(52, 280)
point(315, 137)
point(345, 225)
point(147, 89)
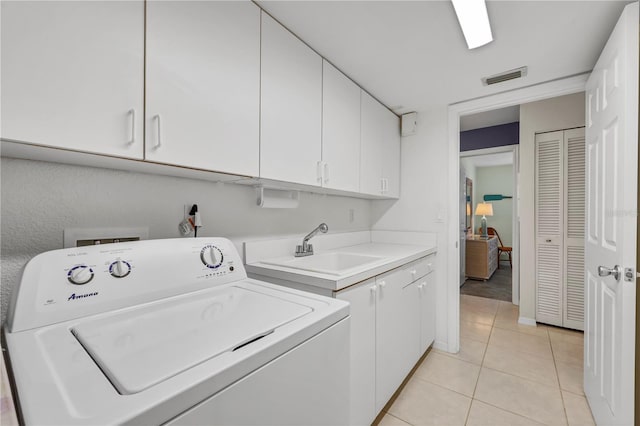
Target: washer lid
point(143, 347)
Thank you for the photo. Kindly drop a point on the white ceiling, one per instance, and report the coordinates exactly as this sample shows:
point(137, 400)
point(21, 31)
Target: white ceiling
point(490, 118)
point(490, 160)
point(411, 55)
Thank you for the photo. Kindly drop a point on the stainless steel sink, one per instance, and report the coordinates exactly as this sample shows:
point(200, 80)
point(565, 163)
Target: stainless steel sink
point(327, 263)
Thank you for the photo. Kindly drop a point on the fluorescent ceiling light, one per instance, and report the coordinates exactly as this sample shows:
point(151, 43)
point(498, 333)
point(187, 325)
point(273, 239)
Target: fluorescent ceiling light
point(474, 21)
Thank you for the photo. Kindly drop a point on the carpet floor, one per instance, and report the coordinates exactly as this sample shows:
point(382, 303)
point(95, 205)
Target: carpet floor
point(497, 287)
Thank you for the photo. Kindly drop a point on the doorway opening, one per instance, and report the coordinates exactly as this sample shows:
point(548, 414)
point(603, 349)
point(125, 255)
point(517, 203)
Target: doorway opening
point(487, 260)
point(502, 100)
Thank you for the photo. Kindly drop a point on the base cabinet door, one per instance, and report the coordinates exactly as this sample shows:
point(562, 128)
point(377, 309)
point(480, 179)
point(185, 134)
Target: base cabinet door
point(427, 294)
point(73, 75)
point(363, 351)
point(397, 326)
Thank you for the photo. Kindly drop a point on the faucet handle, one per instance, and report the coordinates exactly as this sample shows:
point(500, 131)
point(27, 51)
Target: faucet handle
point(304, 250)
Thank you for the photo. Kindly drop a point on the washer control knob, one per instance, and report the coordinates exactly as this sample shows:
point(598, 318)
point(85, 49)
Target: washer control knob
point(211, 256)
point(120, 269)
point(80, 274)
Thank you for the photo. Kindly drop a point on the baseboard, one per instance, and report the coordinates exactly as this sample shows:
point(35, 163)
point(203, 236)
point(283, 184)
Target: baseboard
point(527, 321)
point(441, 346)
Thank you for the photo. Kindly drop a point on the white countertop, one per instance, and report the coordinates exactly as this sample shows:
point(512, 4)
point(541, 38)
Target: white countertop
point(392, 256)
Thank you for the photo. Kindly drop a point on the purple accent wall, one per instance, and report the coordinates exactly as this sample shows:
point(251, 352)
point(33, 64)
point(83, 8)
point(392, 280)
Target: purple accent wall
point(490, 137)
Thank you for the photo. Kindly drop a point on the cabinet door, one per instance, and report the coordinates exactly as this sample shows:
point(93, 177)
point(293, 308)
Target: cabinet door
point(397, 333)
point(72, 75)
point(291, 107)
point(379, 149)
point(203, 93)
point(363, 346)
point(427, 289)
point(340, 130)
point(391, 156)
point(371, 146)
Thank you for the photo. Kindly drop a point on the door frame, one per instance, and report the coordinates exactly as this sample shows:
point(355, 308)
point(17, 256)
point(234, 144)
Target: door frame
point(515, 223)
point(551, 89)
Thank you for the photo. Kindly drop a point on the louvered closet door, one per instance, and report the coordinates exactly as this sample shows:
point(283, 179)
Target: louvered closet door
point(574, 154)
point(549, 227)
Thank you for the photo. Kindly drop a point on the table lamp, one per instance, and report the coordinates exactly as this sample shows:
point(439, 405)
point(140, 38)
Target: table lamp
point(484, 209)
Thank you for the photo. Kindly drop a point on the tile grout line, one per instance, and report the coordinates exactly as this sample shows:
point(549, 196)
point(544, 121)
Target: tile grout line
point(484, 354)
point(422, 379)
point(500, 408)
point(555, 365)
point(398, 418)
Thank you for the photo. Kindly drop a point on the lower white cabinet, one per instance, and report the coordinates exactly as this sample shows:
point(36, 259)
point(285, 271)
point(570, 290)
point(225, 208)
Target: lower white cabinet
point(427, 297)
point(392, 325)
point(397, 331)
point(362, 299)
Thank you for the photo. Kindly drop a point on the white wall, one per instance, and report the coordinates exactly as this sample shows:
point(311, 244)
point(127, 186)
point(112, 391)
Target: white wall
point(536, 117)
point(496, 180)
point(39, 200)
point(423, 201)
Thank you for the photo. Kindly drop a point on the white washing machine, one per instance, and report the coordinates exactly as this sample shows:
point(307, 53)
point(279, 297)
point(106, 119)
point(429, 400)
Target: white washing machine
point(172, 332)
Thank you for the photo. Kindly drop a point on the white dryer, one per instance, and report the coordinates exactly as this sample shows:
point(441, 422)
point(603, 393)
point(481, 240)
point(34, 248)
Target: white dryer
point(172, 332)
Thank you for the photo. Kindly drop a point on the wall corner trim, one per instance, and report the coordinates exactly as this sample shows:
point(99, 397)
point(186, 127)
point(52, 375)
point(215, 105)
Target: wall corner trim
point(527, 321)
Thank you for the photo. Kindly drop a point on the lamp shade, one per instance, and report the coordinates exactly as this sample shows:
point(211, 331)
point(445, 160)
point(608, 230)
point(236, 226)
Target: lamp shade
point(484, 209)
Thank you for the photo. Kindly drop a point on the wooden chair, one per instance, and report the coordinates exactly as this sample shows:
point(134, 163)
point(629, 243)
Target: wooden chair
point(501, 248)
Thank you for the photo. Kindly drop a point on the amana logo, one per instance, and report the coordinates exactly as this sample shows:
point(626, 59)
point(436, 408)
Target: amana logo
point(81, 296)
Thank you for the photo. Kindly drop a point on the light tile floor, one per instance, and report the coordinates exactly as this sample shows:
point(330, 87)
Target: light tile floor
point(505, 374)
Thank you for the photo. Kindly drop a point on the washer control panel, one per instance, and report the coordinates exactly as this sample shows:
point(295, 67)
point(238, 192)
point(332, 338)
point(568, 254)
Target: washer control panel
point(211, 256)
point(74, 282)
point(119, 268)
point(80, 274)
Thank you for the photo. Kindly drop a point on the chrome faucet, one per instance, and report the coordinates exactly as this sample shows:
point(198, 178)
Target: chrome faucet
point(306, 249)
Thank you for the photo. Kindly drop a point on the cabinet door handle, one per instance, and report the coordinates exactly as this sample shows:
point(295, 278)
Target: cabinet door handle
point(326, 172)
point(319, 172)
point(382, 284)
point(159, 128)
point(373, 289)
point(132, 115)
point(414, 272)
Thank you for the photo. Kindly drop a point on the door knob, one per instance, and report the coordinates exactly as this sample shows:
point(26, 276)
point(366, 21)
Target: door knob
point(616, 271)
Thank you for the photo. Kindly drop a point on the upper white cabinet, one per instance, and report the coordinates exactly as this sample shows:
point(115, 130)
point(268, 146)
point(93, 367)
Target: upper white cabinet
point(340, 130)
point(203, 85)
point(73, 75)
point(291, 107)
point(380, 149)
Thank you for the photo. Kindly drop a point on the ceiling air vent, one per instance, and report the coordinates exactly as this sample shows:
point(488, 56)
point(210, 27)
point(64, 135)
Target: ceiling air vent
point(505, 76)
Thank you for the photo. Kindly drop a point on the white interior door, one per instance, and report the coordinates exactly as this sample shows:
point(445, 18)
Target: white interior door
point(612, 173)
point(549, 215)
point(573, 229)
point(463, 224)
